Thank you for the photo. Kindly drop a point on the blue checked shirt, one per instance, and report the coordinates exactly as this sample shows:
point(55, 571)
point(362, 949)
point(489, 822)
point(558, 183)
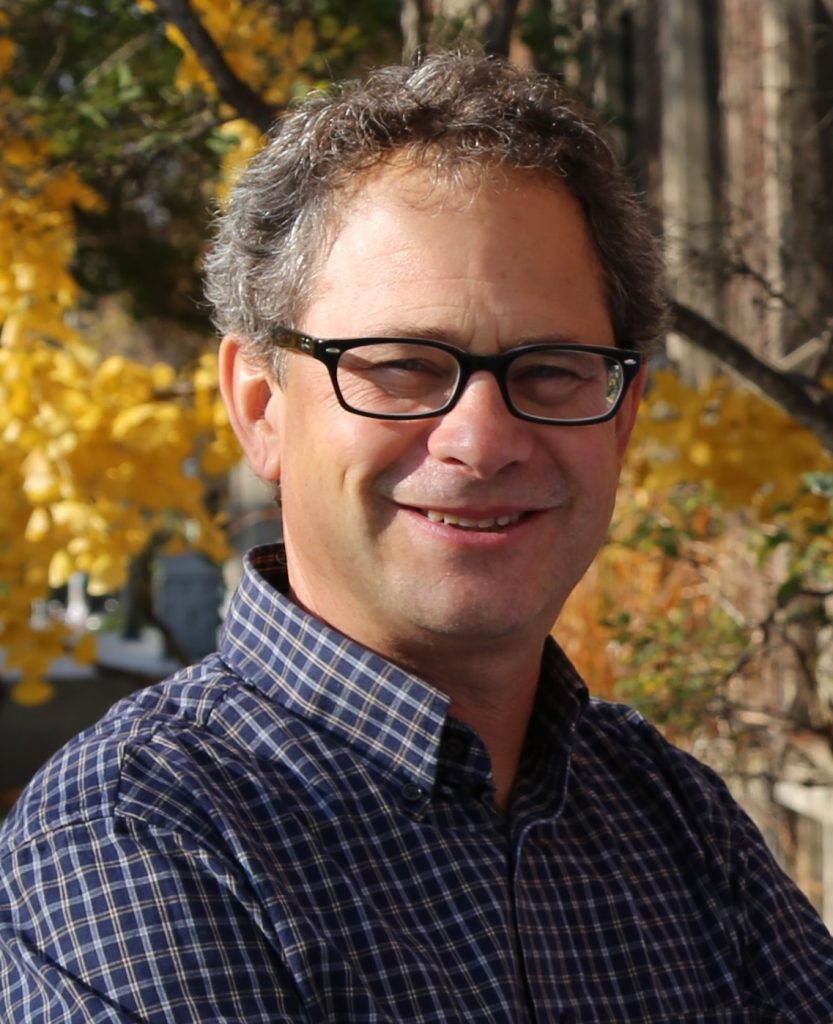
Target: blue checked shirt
point(295, 830)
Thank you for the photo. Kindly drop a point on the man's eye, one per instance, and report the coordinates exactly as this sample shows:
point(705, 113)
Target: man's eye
point(548, 370)
point(409, 366)
point(381, 362)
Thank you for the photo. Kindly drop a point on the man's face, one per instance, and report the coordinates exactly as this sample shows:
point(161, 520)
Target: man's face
point(369, 506)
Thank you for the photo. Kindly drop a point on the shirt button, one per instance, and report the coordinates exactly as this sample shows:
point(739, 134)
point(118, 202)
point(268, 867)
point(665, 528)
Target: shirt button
point(412, 793)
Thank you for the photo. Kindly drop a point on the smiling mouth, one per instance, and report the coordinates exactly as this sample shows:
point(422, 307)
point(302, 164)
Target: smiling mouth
point(466, 523)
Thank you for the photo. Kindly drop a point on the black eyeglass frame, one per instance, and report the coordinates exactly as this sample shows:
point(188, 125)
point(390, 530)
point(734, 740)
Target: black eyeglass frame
point(330, 350)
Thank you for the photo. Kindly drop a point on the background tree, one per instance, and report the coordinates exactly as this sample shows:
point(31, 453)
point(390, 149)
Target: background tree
point(715, 598)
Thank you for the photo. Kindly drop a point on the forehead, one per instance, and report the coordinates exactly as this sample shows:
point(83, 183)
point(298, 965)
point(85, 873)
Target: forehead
point(414, 184)
point(503, 252)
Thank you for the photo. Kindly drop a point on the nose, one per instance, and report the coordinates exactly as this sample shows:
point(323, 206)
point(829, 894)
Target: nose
point(480, 433)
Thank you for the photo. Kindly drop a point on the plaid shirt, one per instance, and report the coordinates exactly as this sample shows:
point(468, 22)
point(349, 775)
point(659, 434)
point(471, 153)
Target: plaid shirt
point(295, 830)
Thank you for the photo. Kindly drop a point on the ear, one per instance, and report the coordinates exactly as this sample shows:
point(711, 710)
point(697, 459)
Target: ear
point(252, 398)
point(626, 416)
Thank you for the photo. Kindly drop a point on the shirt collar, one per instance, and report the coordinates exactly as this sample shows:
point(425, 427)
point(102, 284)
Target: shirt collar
point(560, 704)
point(390, 716)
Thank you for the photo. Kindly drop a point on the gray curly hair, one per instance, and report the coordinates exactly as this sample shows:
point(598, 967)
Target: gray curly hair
point(455, 114)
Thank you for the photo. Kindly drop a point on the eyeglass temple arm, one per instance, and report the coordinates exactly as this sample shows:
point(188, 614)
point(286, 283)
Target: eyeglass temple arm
point(294, 340)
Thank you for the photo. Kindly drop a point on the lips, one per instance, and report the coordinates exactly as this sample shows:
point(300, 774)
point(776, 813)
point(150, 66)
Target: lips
point(471, 523)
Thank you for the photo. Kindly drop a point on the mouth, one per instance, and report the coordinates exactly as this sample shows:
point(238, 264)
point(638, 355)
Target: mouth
point(481, 523)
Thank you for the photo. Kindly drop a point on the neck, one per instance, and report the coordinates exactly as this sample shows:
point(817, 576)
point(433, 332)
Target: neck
point(502, 728)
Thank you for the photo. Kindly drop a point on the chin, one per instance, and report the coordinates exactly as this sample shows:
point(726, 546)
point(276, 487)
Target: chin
point(484, 625)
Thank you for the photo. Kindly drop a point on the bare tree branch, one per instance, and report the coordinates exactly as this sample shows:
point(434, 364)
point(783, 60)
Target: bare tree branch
point(499, 32)
point(805, 401)
point(412, 21)
point(232, 90)
point(123, 53)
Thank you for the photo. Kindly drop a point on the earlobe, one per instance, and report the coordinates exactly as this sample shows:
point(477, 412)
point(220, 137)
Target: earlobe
point(251, 396)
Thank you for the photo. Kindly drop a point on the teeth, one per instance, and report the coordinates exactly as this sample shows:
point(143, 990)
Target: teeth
point(471, 524)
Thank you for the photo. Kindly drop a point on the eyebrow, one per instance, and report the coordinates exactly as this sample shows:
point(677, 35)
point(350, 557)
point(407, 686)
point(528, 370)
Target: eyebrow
point(394, 330)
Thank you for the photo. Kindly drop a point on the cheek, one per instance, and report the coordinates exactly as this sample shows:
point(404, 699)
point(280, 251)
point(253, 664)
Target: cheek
point(328, 449)
point(368, 447)
point(589, 457)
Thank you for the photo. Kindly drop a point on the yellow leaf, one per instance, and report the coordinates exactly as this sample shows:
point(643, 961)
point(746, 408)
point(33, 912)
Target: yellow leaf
point(23, 152)
point(700, 454)
point(39, 525)
point(117, 375)
point(7, 54)
point(86, 649)
point(220, 456)
point(303, 41)
point(174, 35)
point(175, 546)
point(106, 575)
point(147, 426)
point(60, 569)
point(163, 376)
point(31, 693)
point(40, 483)
point(74, 516)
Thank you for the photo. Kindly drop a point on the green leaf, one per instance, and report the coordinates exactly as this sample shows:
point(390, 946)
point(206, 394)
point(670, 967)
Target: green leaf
point(788, 590)
point(92, 114)
point(819, 483)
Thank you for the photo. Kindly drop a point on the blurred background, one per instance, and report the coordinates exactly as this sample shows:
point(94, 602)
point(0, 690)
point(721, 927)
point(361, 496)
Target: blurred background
point(124, 508)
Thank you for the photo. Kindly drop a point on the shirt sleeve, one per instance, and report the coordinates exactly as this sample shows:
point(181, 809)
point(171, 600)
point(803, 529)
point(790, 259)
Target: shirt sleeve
point(788, 951)
point(779, 954)
point(784, 950)
point(99, 926)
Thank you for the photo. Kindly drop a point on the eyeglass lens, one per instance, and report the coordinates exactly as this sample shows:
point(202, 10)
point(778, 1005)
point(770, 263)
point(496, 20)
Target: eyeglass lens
point(406, 378)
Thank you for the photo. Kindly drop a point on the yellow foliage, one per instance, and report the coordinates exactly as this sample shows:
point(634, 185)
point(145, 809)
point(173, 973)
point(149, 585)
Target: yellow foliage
point(88, 492)
point(729, 442)
point(32, 691)
point(7, 53)
point(751, 451)
point(258, 52)
point(271, 60)
point(37, 240)
point(8, 48)
point(93, 452)
point(245, 141)
point(61, 568)
point(85, 650)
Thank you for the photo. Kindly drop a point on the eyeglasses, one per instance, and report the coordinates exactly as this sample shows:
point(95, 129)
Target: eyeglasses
point(407, 379)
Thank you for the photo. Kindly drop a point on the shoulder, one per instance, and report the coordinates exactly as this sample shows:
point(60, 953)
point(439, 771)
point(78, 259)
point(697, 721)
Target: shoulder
point(617, 747)
point(145, 757)
point(126, 858)
point(620, 735)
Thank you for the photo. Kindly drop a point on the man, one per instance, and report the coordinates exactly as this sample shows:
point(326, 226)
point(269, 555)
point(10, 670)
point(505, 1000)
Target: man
point(388, 797)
